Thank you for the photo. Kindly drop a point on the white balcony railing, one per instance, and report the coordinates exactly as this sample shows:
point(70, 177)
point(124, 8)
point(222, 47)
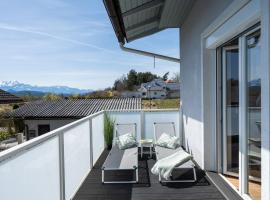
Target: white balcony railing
point(54, 165)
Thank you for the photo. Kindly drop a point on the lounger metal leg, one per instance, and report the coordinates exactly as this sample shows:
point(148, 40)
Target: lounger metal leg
point(194, 173)
point(137, 175)
point(102, 176)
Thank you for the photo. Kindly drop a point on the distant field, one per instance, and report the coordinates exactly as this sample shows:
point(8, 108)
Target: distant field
point(161, 103)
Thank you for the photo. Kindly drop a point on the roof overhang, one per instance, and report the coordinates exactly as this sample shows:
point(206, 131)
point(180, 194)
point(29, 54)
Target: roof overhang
point(134, 19)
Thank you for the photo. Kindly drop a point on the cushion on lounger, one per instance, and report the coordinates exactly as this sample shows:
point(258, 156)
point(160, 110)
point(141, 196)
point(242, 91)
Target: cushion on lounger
point(126, 141)
point(167, 141)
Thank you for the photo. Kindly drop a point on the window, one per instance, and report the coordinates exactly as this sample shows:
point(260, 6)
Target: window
point(42, 129)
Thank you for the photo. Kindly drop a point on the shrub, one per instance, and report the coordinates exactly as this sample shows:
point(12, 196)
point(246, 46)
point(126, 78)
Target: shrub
point(15, 106)
point(108, 130)
point(4, 135)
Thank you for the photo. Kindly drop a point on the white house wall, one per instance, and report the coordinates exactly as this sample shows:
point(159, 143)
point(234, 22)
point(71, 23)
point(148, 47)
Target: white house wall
point(201, 16)
point(265, 31)
point(54, 124)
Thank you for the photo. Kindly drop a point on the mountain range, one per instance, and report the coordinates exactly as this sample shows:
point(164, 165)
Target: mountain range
point(18, 88)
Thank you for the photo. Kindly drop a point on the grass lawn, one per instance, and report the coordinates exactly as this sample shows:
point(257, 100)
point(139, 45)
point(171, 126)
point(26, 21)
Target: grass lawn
point(161, 103)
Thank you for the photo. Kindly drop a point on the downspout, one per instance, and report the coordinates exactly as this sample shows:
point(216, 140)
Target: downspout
point(146, 53)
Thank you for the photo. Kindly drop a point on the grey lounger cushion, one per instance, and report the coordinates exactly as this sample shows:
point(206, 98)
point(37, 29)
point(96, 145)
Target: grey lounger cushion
point(121, 159)
point(162, 152)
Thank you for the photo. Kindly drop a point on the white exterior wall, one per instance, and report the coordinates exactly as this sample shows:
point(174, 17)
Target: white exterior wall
point(265, 32)
point(210, 24)
point(201, 16)
point(54, 123)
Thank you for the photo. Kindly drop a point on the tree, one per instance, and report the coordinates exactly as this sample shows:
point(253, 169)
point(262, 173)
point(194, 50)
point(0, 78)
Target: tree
point(131, 79)
point(176, 77)
point(120, 84)
point(144, 77)
point(165, 76)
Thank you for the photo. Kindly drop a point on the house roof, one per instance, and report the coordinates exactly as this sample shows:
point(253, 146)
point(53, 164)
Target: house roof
point(6, 97)
point(72, 108)
point(134, 19)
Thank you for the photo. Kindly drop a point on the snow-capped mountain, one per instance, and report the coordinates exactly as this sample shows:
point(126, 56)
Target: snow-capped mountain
point(15, 86)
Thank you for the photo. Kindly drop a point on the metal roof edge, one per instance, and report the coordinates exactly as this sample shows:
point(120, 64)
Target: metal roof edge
point(114, 13)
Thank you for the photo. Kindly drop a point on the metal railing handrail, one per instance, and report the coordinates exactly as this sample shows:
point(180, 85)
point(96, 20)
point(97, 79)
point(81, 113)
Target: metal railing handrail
point(144, 110)
point(19, 149)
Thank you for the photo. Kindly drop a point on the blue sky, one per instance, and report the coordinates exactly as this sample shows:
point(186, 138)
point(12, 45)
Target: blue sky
point(72, 43)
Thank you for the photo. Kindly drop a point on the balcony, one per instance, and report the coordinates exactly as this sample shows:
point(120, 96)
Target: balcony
point(66, 164)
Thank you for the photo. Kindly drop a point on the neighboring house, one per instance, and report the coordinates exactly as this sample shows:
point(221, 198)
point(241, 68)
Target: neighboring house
point(7, 98)
point(155, 89)
point(43, 116)
point(159, 89)
point(225, 81)
point(130, 94)
point(173, 89)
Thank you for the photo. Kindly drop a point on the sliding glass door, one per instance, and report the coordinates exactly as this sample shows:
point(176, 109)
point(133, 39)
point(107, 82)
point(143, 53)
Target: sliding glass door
point(253, 113)
point(231, 109)
point(241, 112)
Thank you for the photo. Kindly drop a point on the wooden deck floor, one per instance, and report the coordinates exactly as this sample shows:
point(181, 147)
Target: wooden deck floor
point(147, 188)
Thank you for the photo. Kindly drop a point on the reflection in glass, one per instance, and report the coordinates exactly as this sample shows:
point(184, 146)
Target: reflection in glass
point(254, 112)
point(232, 109)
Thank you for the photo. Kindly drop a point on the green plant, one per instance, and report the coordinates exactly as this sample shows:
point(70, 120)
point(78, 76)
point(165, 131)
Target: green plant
point(15, 106)
point(4, 135)
point(108, 129)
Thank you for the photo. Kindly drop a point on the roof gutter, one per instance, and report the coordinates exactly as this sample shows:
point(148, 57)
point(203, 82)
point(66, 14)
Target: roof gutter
point(149, 54)
point(114, 13)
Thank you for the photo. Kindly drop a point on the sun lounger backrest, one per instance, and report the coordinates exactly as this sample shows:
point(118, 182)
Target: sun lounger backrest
point(121, 129)
point(163, 127)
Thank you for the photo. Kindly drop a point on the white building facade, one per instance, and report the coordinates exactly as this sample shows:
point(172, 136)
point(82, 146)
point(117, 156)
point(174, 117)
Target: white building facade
point(224, 91)
point(225, 82)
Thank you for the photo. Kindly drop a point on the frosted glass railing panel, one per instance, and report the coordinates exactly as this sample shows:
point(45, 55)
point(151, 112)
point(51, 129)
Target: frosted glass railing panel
point(77, 156)
point(151, 117)
point(32, 175)
point(98, 136)
point(128, 117)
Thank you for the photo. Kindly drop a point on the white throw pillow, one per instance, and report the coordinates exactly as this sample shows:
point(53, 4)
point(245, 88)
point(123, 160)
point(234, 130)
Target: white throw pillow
point(165, 140)
point(126, 141)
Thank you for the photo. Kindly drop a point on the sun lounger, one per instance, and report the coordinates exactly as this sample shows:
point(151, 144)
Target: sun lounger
point(121, 160)
point(162, 152)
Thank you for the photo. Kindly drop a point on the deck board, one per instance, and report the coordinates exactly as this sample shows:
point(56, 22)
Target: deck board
point(147, 188)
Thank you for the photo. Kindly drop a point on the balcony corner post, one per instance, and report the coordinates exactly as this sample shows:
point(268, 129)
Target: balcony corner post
point(61, 165)
point(91, 142)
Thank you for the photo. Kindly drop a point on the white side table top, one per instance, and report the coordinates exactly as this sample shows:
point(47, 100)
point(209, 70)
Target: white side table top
point(146, 141)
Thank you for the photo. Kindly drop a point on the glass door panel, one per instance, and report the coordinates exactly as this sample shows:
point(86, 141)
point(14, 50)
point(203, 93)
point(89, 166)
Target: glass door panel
point(254, 113)
point(231, 110)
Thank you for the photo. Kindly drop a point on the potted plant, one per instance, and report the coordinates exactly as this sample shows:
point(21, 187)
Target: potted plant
point(108, 130)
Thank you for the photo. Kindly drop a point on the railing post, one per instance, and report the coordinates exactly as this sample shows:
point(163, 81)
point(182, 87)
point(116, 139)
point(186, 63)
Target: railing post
point(180, 127)
point(91, 142)
point(61, 165)
point(142, 124)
